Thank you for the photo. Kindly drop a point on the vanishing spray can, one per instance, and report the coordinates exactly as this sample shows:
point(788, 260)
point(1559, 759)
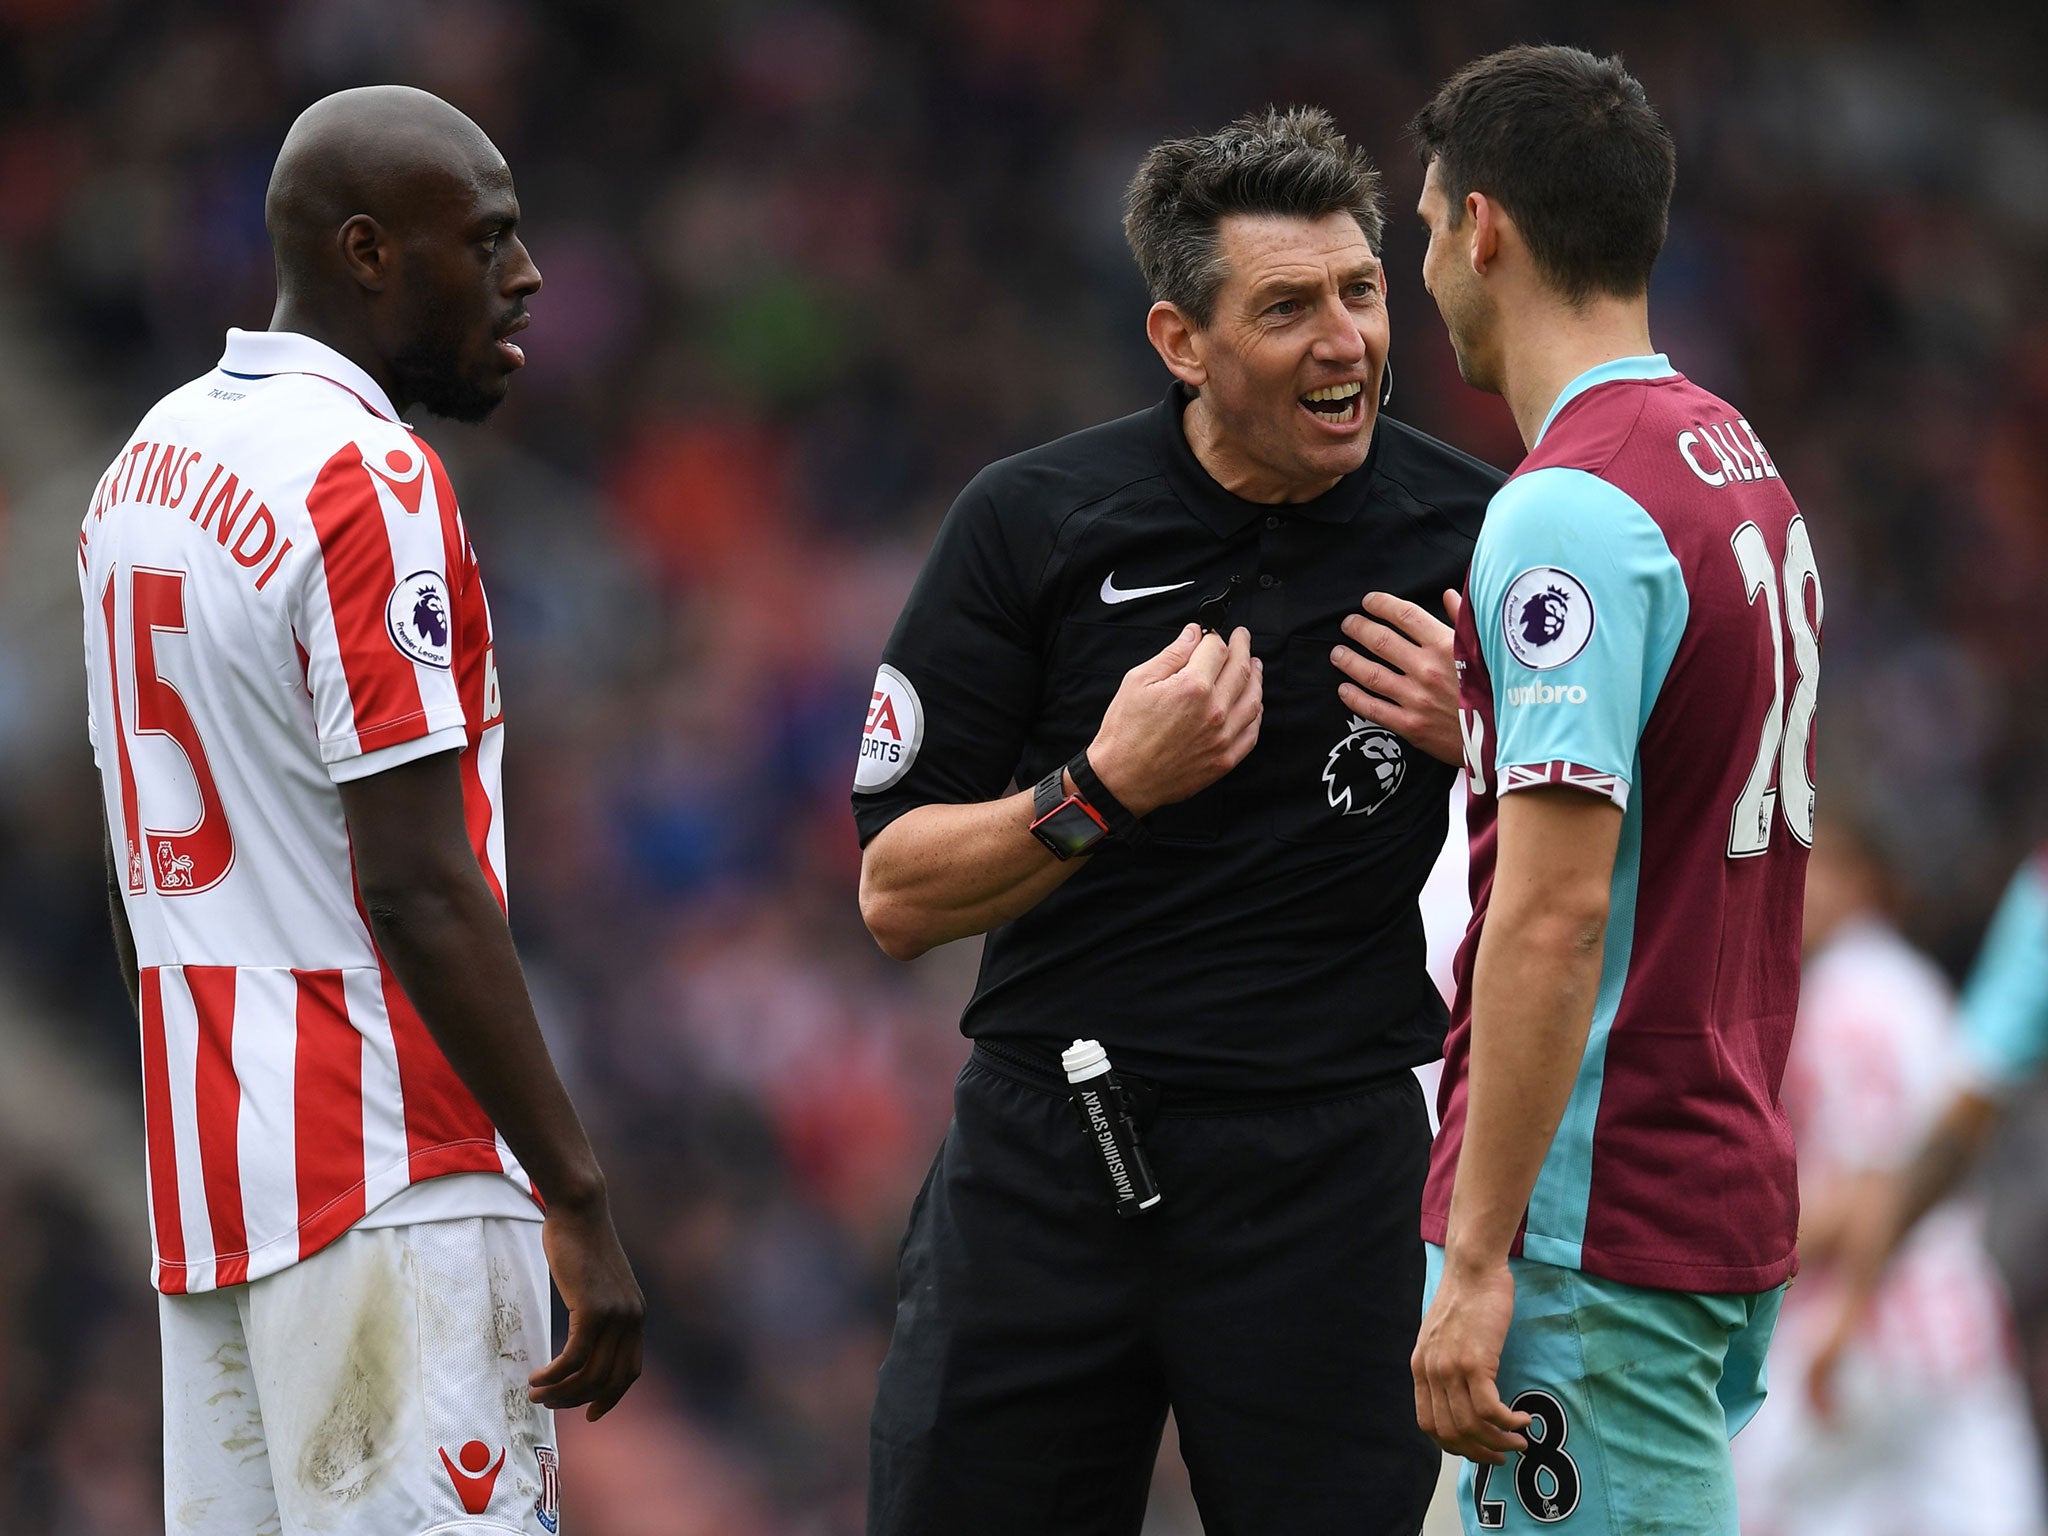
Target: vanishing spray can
point(1106, 1120)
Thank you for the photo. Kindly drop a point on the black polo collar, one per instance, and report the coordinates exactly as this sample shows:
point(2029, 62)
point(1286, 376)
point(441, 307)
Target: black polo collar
point(1225, 513)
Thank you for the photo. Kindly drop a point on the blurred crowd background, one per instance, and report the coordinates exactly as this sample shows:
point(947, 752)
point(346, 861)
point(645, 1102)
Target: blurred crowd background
point(808, 266)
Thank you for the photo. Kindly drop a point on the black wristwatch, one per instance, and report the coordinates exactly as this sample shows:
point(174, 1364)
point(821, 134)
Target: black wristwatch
point(1074, 824)
point(1067, 824)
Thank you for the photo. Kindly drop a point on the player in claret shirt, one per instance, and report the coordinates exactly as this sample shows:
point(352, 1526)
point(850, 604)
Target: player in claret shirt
point(1611, 1206)
point(352, 1119)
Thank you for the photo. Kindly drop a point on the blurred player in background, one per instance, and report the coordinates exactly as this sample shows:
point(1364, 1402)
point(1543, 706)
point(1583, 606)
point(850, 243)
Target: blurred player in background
point(1927, 1429)
point(2004, 1042)
point(352, 1118)
point(1611, 1203)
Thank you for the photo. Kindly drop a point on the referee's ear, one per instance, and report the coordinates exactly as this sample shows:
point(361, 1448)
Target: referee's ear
point(1177, 341)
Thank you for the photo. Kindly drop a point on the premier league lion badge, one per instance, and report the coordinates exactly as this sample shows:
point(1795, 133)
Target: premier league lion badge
point(417, 617)
point(1364, 769)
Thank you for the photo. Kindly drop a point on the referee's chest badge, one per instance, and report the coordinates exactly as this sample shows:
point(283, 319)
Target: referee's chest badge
point(895, 730)
point(1364, 769)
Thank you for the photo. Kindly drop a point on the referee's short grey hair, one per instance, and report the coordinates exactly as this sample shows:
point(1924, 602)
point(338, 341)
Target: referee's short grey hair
point(1292, 163)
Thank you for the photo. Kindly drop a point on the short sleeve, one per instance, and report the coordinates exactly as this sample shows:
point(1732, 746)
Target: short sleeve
point(958, 686)
point(2005, 1003)
point(1579, 605)
point(376, 606)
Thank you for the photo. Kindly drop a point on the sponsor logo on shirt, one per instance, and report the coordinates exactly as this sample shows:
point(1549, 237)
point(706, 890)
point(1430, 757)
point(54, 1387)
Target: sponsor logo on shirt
point(1544, 693)
point(417, 616)
point(894, 732)
point(1547, 617)
point(1364, 769)
point(474, 1475)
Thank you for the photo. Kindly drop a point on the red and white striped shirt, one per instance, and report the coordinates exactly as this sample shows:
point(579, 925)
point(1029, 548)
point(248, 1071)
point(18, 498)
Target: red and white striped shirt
point(280, 596)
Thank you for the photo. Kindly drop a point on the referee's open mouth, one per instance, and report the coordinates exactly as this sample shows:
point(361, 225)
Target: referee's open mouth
point(1337, 407)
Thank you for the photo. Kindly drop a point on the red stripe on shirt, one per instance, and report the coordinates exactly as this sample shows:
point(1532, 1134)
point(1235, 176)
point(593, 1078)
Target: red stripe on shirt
point(440, 1113)
point(361, 574)
point(327, 1092)
point(218, 1095)
point(129, 832)
point(473, 631)
point(163, 1145)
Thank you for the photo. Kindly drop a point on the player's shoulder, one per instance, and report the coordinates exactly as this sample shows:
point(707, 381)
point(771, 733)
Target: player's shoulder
point(1434, 474)
point(1564, 507)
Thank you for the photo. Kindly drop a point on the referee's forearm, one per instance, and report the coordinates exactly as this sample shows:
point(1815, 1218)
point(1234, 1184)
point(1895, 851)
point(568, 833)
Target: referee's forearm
point(945, 872)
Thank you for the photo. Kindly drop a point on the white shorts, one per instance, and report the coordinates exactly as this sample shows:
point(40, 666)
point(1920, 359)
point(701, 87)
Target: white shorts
point(376, 1389)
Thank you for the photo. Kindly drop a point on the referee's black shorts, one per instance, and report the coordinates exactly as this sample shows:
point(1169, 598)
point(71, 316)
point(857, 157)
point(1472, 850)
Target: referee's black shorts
point(1271, 1300)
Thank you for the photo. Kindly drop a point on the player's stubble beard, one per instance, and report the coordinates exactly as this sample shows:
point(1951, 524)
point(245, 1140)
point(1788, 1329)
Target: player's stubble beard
point(429, 371)
point(1473, 320)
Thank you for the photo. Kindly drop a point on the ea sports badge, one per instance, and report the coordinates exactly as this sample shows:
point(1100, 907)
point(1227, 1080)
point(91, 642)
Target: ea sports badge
point(894, 732)
point(420, 621)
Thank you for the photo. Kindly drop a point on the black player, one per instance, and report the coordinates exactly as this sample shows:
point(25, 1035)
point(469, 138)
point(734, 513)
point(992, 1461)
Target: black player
point(1216, 876)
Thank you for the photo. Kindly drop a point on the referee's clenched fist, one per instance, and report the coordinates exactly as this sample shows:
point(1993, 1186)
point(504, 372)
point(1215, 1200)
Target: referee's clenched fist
point(1181, 720)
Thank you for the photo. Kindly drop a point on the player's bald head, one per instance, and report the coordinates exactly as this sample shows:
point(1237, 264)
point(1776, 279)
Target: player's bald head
point(394, 224)
point(388, 151)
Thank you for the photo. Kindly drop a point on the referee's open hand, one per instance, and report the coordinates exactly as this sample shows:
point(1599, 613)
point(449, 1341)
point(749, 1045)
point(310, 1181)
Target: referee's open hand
point(1180, 721)
point(1407, 678)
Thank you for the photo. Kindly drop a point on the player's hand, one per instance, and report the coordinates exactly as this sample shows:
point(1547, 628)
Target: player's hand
point(1826, 1362)
point(1180, 721)
point(1408, 679)
point(1457, 1362)
point(601, 1357)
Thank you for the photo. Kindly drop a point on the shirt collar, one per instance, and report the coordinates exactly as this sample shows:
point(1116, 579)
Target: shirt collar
point(259, 354)
point(1655, 366)
point(1225, 513)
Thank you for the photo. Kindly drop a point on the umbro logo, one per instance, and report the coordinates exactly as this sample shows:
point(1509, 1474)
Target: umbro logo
point(1112, 593)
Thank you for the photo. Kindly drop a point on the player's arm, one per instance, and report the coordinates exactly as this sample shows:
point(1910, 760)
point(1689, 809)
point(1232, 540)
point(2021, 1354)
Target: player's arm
point(1535, 980)
point(1179, 722)
point(446, 939)
point(2005, 1033)
point(117, 914)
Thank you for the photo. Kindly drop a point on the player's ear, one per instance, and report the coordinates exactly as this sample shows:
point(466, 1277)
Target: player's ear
point(1177, 340)
point(1485, 216)
point(365, 251)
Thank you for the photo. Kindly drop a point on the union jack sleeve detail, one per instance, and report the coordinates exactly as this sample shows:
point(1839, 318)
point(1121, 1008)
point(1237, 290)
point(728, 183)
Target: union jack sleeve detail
point(1572, 775)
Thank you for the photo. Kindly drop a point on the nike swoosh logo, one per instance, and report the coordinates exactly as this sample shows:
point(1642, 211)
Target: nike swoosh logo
point(1112, 593)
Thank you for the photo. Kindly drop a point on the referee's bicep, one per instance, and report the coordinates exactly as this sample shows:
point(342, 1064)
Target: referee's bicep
point(953, 700)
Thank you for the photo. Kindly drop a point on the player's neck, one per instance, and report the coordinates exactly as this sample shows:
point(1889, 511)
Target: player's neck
point(352, 341)
point(1549, 345)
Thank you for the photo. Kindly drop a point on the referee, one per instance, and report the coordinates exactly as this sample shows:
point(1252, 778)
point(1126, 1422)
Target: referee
point(1215, 876)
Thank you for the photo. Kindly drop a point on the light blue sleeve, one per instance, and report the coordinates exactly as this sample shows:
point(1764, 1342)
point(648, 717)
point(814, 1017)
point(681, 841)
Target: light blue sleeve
point(1580, 606)
point(2005, 1003)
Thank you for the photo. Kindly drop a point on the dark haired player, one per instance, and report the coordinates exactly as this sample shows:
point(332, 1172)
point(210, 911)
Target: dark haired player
point(1611, 1205)
point(1212, 868)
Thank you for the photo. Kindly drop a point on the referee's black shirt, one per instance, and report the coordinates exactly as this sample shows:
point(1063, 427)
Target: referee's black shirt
point(1267, 938)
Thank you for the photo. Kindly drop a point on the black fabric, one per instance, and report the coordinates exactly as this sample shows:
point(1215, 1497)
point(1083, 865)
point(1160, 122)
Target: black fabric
point(1271, 1300)
point(1262, 937)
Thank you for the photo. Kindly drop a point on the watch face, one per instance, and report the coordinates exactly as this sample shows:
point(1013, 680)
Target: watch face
point(1069, 829)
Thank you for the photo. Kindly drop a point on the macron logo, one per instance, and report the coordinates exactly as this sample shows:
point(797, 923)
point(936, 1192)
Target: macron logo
point(1112, 593)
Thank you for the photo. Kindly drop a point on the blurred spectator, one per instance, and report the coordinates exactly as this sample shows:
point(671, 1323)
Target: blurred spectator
point(1926, 1428)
